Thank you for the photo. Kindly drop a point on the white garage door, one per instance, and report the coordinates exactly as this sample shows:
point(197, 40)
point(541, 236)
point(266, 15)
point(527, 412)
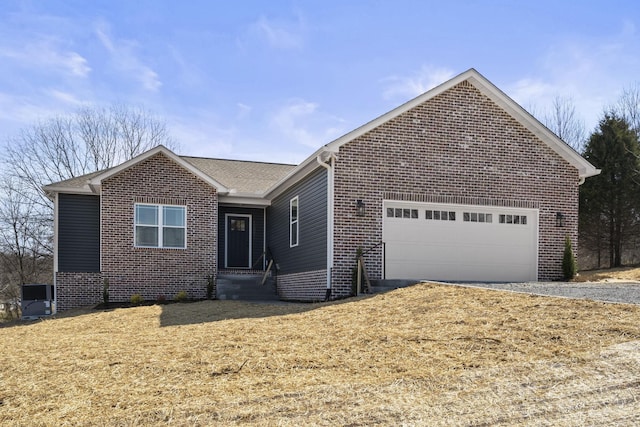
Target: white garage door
point(460, 242)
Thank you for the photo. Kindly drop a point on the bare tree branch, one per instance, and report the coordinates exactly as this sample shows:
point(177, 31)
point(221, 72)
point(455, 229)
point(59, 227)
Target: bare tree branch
point(61, 148)
point(563, 120)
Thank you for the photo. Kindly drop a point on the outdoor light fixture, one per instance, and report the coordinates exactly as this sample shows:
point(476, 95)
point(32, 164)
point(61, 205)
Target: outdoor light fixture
point(359, 208)
point(559, 219)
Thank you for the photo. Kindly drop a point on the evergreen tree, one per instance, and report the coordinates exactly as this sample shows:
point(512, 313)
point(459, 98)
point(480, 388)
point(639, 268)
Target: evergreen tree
point(610, 202)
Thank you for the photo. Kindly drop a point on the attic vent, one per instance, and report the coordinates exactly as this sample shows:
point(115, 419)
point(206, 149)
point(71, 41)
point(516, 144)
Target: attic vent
point(160, 200)
point(465, 83)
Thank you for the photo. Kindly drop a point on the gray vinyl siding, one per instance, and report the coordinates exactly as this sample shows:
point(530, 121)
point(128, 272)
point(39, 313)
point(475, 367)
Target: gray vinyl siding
point(257, 229)
point(78, 233)
point(311, 252)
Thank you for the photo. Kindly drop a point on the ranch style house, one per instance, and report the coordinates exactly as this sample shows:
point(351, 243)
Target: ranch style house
point(458, 184)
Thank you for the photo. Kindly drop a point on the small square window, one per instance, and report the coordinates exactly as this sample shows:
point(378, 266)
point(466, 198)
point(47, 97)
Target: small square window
point(488, 218)
point(406, 213)
point(452, 216)
point(502, 219)
point(398, 213)
point(444, 215)
point(436, 215)
point(509, 219)
point(428, 214)
point(389, 212)
point(466, 217)
point(414, 213)
point(474, 217)
point(516, 219)
point(238, 225)
point(523, 220)
point(481, 217)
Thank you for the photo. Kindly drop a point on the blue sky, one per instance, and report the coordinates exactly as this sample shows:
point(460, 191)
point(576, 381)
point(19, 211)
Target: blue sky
point(274, 80)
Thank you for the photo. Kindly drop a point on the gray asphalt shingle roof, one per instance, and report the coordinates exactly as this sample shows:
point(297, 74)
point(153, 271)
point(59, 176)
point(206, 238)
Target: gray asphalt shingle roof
point(242, 176)
point(245, 177)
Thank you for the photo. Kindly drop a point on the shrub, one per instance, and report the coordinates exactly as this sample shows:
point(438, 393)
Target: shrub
point(210, 285)
point(161, 299)
point(105, 290)
point(569, 265)
point(136, 299)
point(181, 296)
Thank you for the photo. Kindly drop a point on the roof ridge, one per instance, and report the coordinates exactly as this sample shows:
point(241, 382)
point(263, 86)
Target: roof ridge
point(237, 160)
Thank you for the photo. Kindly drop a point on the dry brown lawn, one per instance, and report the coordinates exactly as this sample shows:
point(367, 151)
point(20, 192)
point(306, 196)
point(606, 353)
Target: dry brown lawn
point(425, 355)
point(620, 274)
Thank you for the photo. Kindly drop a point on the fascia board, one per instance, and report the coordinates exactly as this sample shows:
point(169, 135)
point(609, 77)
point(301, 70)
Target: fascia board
point(244, 199)
point(585, 169)
point(97, 180)
point(51, 190)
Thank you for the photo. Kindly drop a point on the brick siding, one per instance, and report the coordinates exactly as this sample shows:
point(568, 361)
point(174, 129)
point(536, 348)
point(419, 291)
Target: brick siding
point(458, 144)
point(152, 272)
point(308, 286)
point(77, 289)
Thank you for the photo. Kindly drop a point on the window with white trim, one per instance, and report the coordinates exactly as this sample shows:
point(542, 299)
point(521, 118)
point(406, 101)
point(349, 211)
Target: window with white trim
point(294, 228)
point(160, 226)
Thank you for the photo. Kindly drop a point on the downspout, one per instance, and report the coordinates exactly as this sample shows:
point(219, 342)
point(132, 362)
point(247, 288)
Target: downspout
point(330, 223)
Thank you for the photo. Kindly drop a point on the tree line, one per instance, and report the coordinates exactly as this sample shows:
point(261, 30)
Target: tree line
point(609, 218)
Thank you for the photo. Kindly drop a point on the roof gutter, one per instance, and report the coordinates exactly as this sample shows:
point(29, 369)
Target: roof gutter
point(330, 167)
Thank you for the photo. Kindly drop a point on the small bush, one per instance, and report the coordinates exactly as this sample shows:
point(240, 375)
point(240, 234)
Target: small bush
point(105, 290)
point(210, 285)
point(569, 265)
point(161, 299)
point(136, 299)
point(181, 296)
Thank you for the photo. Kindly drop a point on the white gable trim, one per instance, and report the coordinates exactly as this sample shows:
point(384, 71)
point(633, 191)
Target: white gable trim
point(96, 182)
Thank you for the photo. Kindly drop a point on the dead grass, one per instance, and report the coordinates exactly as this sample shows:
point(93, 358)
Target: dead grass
point(620, 274)
point(425, 355)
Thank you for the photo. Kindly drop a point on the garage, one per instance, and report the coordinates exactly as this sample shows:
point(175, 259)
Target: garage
point(450, 242)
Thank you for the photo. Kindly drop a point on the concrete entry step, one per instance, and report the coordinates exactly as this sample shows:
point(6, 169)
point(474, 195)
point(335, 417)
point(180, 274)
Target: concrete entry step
point(245, 287)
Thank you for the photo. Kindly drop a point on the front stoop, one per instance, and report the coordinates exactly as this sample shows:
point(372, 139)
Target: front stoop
point(245, 287)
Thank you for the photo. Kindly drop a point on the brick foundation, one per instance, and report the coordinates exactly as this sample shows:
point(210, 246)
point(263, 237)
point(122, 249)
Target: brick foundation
point(308, 286)
point(77, 289)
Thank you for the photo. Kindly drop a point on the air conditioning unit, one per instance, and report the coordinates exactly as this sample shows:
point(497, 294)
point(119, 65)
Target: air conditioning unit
point(37, 301)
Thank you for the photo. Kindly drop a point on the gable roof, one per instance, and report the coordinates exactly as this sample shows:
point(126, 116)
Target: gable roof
point(242, 177)
point(231, 177)
point(585, 169)
point(247, 181)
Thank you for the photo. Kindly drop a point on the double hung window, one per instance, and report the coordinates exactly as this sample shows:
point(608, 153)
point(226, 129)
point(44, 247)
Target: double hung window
point(160, 226)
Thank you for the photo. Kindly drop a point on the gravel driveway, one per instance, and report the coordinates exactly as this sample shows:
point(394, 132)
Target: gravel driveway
point(598, 291)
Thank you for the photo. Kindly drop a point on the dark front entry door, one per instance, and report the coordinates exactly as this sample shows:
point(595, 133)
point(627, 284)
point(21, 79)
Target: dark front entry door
point(238, 253)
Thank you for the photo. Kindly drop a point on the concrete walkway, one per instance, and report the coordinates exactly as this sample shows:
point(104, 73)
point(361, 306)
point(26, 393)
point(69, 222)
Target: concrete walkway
point(617, 292)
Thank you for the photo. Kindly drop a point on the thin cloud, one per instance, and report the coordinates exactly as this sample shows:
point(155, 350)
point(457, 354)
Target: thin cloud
point(45, 53)
point(124, 58)
point(66, 97)
point(426, 78)
point(244, 110)
point(278, 35)
point(591, 71)
point(302, 123)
